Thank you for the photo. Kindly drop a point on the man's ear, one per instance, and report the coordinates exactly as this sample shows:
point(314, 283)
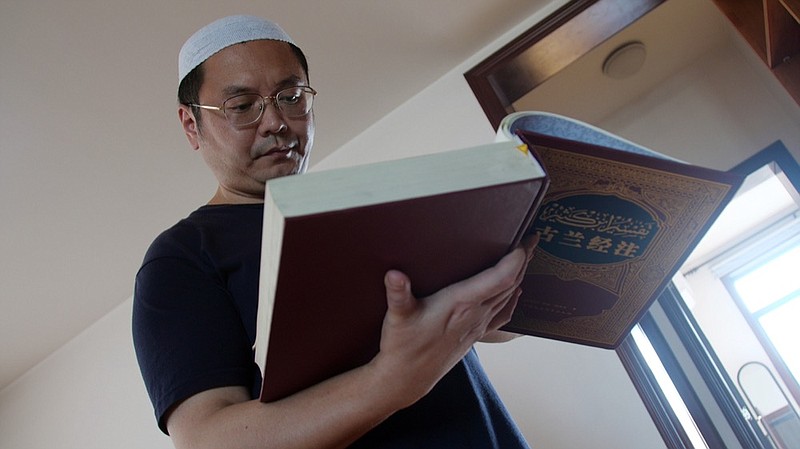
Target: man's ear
point(190, 125)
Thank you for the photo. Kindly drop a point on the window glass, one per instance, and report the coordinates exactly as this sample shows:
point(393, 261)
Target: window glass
point(771, 282)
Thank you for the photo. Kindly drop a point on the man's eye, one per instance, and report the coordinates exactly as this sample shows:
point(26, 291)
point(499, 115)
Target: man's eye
point(290, 99)
point(239, 106)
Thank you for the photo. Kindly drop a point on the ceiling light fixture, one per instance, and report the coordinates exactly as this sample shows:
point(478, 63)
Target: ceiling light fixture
point(625, 60)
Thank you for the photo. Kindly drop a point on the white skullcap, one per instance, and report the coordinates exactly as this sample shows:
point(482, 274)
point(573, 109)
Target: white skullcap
point(223, 33)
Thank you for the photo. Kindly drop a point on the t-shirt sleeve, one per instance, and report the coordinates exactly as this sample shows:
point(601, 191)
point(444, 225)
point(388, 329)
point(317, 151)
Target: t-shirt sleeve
point(187, 332)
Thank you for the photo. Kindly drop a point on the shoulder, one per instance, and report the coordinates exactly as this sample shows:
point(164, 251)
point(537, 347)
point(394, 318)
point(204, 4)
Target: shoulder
point(206, 230)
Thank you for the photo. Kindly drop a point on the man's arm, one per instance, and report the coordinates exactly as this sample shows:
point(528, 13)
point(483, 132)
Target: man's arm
point(421, 341)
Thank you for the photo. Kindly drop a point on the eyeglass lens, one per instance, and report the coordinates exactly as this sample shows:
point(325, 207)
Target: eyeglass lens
point(247, 108)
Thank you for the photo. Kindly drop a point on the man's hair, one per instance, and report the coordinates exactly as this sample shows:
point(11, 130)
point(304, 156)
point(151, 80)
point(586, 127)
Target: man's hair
point(189, 89)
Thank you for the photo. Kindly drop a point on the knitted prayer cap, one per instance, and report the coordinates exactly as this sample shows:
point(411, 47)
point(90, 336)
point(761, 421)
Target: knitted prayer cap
point(223, 33)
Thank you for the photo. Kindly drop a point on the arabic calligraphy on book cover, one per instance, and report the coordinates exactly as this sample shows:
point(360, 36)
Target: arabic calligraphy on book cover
point(612, 235)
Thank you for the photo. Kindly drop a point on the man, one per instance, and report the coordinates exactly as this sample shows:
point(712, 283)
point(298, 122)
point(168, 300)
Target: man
point(246, 107)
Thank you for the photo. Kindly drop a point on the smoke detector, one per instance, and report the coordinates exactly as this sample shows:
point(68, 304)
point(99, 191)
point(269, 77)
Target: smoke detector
point(625, 60)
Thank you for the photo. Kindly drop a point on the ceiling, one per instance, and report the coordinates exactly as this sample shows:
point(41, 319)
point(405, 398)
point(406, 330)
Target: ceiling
point(675, 34)
point(93, 163)
point(92, 160)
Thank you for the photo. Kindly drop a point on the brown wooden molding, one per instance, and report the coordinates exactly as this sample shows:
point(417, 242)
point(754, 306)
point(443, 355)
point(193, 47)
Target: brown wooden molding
point(546, 48)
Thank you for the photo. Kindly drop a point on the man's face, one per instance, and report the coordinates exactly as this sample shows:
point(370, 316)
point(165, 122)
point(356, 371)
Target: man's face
point(243, 159)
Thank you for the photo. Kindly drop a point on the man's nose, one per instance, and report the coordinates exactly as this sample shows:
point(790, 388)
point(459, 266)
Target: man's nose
point(272, 119)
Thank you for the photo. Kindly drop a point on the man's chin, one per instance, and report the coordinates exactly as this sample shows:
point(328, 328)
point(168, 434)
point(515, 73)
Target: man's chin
point(292, 166)
point(280, 172)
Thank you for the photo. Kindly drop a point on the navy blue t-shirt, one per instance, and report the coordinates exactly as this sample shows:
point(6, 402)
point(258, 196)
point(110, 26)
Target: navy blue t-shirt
point(194, 315)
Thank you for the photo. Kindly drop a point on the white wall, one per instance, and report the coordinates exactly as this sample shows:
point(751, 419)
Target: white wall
point(87, 395)
point(716, 112)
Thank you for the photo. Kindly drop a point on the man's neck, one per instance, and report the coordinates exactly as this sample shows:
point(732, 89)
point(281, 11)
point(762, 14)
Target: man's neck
point(222, 196)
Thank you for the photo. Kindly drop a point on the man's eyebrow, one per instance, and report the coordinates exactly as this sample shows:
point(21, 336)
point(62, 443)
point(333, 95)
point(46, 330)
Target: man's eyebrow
point(290, 81)
point(236, 90)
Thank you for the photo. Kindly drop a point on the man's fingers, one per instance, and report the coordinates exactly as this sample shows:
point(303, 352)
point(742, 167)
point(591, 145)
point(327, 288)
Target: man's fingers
point(494, 282)
point(399, 298)
point(503, 314)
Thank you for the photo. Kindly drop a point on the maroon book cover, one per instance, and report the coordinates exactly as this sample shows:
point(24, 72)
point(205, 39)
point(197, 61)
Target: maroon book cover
point(329, 296)
point(614, 229)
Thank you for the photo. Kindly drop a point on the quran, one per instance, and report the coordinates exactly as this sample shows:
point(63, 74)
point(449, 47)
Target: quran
point(614, 227)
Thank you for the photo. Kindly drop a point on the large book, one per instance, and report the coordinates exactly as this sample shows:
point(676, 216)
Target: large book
point(330, 237)
point(614, 228)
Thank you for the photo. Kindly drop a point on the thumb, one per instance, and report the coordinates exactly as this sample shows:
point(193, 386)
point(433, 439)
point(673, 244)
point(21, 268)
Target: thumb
point(399, 299)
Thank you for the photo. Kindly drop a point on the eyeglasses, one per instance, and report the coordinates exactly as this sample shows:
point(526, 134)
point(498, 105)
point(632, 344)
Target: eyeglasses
point(246, 109)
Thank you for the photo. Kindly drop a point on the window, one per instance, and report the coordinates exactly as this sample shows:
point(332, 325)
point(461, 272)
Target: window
point(673, 397)
point(769, 294)
point(736, 300)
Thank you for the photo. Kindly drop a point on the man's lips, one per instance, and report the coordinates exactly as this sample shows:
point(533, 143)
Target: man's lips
point(280, 151)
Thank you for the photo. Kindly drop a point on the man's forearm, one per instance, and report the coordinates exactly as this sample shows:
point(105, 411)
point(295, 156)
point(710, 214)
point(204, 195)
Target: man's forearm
point(331, 414)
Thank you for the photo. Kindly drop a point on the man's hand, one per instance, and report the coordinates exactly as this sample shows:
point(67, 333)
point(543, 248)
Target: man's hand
point(423, 339)
point(499, 336)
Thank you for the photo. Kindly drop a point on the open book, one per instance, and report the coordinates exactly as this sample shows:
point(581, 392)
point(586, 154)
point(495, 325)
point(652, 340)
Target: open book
point(614, 227)
point(616, 224)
